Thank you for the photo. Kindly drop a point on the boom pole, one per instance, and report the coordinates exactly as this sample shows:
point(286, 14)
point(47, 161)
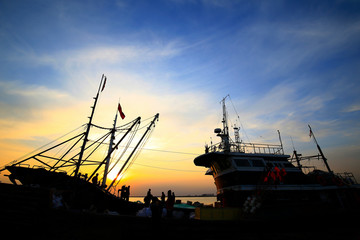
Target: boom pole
point(320, 151)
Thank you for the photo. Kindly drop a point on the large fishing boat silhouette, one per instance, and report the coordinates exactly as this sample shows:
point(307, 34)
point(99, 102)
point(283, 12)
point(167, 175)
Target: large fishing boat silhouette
point(250, 175)
point(71, 167)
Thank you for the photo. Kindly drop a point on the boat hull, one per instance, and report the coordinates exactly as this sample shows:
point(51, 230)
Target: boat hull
point(310, 194)
point(241, 178)
point(76, 193)
point(38, 176)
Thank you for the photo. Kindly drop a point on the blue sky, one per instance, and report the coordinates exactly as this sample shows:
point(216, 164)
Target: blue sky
point(285, 64)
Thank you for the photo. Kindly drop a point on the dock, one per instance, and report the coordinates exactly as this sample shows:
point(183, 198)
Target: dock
point(26, 212)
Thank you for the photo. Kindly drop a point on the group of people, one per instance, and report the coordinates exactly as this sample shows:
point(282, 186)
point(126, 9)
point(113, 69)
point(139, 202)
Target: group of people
point(94, 180)
point(157, 205)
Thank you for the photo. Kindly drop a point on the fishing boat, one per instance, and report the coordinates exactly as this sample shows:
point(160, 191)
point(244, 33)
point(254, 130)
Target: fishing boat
point(70, 168)
point(252, 176)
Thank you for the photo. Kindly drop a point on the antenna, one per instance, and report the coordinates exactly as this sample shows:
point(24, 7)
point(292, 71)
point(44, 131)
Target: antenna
point(292, 142)
point(237, 134)
point(296, 154)
point(238, 118)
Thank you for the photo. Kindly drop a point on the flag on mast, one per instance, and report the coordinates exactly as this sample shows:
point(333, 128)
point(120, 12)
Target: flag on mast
point(122, 115)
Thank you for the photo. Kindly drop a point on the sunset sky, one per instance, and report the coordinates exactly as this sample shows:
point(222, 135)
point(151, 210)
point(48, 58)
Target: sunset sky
point(285, 64)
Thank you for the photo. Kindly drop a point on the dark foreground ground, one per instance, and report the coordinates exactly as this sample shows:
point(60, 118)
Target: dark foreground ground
point(21, 218)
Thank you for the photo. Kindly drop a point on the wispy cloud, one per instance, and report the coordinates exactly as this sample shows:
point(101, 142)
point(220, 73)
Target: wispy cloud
point(19, 101)
point(106, 55)
point(352, 108)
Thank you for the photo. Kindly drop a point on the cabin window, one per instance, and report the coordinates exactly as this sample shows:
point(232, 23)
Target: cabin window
point(242, 162)
point(257, 163)
point(225, 164)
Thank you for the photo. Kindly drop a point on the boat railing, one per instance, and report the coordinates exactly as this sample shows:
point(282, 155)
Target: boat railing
point(347, 177)
point(248, 148)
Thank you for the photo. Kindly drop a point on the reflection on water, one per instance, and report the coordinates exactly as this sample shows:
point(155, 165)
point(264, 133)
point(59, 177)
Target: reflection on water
point(204, 200)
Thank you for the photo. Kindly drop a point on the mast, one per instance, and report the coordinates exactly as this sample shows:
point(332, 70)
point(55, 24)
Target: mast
point(320, 151)
point(107, 163)
point(225, 134)
point(136, 121)
point(88, 126)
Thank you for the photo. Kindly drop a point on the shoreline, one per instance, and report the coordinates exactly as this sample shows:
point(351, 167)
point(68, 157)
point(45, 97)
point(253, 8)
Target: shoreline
point(179, 196)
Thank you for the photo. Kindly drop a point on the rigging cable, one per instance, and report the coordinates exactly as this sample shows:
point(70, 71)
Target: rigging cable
point(131, 137)
point(142, 144)
point(38, 149)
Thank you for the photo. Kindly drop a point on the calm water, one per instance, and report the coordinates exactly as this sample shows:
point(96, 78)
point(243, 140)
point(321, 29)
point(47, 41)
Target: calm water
point(204, 200)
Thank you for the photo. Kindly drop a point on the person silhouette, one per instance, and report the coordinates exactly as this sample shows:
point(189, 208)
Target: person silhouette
point(95, 179)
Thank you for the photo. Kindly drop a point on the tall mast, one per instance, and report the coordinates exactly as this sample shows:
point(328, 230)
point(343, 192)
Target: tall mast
point(107, 163)
point(103, 78)
point(320, 151)
point(225, 134)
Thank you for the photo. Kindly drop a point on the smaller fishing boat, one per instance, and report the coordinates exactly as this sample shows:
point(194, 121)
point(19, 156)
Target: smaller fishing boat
point(74, 171)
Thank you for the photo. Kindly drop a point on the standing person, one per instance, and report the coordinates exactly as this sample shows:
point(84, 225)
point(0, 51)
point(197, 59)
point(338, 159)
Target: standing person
point(170, 203)
point(149, 193)
point(147, 198)
point(173, 197)
point(169, 194)
point(95, 179)
point(127, 195)
point(156, 208)
point(163, 199)
point(122, 196)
